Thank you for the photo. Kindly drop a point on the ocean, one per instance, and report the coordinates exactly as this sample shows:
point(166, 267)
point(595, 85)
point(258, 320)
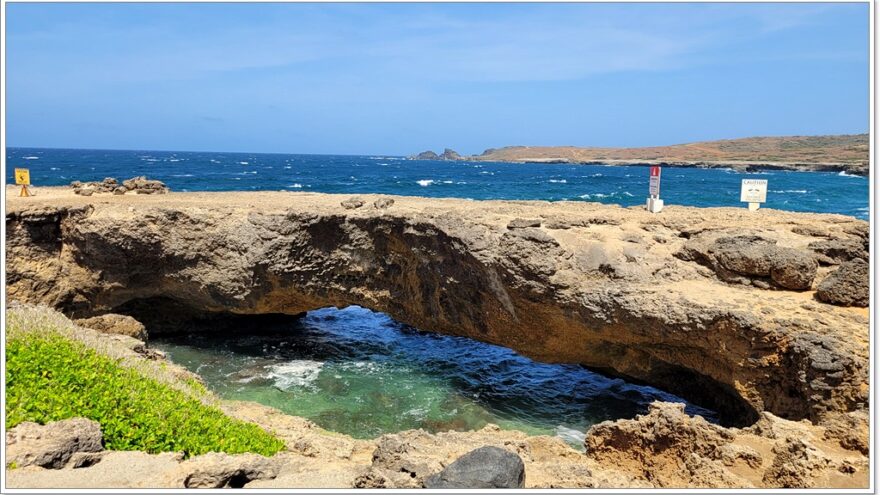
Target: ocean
point(821, 192)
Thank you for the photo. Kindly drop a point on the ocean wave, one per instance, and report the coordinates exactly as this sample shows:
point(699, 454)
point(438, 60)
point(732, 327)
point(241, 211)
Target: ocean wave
point(603, 195)
point(183, 175)
point(558, 181)
point(296, 186)
point(447, 182)
point(844, 174)
point(295, 374)
point(288, 167)
point(30, 158)
point(54, 168)
point(243, 163)
point(424, 182)
point(151, 160)
point(174, 159)
point(792, 191)
point(382, 164)
point(570, 435)
point(214, 161)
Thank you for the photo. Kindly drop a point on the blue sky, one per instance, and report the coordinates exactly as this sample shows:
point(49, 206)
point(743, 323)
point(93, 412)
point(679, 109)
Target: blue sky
point(402, 78)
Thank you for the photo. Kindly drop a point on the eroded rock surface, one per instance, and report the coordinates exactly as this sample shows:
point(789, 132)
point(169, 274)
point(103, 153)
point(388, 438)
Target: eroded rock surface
point(667, 299)
point(115, 324)
point(51, 445)
point(846, 286)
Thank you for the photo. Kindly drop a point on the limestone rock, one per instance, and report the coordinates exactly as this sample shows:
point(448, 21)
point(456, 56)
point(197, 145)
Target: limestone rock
point(352, 203)
point(383, 203)
point(142, 185)
point(85, 191)
point(219, 470)
point(486, 467)
point(115, 324)
point(846, 286)
point(51, 445)
point(120, 190)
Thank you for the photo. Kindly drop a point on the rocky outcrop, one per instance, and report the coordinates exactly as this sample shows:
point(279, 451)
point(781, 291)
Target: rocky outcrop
point(643, 296)
point(753, 260)
point(448, 155)
point(846, 286)
point(425, 155)
point(671, 449)
point(140, 185)
point(51, 445)
point(485, 467)
point(115, 324)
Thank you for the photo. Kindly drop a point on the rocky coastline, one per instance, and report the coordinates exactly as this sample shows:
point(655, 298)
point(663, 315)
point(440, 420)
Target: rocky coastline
point(847, 154)
point(758, 315)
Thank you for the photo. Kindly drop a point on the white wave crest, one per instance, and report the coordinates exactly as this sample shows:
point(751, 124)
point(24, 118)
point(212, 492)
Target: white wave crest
point(558, 181)
point(570, 435)
point(424, 182)
point(296, 186)
point(844, 174)
point(295, 374)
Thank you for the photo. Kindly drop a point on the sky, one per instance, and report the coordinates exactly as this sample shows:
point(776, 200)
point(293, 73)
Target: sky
point(403, 78)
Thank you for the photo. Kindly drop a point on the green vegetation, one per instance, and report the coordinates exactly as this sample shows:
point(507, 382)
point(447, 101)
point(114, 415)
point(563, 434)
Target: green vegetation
point(49, 378)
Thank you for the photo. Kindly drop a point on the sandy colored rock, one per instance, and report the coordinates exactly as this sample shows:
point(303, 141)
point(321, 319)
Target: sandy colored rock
point(603, 293)
point(51, 445)
point(219, 470)
point(115, 324)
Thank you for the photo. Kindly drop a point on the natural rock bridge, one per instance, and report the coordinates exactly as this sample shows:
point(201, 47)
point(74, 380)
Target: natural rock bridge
point(715, 304)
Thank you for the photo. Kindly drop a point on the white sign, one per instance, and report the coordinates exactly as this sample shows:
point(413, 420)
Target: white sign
point(654, 184)
point(753, 191)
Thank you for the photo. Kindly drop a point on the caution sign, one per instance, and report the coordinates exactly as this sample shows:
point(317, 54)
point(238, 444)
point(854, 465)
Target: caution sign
point(654, 184)
point(22, 176)
point(753, 191)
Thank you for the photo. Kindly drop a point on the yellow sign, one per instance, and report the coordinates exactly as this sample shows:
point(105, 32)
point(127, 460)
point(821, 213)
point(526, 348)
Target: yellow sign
point(22, 176)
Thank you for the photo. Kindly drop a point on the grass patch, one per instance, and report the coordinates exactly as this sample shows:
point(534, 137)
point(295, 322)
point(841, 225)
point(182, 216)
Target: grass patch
point(50, 377)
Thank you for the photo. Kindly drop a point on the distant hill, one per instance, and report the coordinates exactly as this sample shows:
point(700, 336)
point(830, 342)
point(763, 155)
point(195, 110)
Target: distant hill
point(847, 153)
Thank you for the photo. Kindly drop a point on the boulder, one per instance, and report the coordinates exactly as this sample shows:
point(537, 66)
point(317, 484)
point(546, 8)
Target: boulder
point(115, 324)
point(352, 203)
point(846, 286)
point(142, 185)
point(485, 467)
point(792, 268)
point(120, 190)
point(219, 470)
point(53, 444)
point(835, 251)
point(84, 191)
point(383, 203)
point(755, 260)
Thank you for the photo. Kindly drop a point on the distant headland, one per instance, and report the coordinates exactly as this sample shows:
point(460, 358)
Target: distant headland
point(841, 153)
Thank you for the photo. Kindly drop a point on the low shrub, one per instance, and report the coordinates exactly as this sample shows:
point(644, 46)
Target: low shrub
point(49, 378)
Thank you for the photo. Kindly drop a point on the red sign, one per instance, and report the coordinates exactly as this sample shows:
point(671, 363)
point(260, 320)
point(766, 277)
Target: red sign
point(654, 185)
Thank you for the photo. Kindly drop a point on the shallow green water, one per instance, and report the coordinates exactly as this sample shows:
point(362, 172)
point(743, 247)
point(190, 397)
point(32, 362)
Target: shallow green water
point(361, 373)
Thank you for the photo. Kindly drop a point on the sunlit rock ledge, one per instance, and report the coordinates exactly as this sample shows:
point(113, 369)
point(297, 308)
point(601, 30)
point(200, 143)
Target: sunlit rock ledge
point(717, 305)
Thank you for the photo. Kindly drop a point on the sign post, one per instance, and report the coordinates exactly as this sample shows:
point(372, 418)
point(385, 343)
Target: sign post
point(23, 178)
point(753, 192)
point(654, 204)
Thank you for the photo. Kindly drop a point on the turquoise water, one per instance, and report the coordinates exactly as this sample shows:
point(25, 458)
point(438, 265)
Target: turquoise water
point(211, 171)
point(362, 373)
